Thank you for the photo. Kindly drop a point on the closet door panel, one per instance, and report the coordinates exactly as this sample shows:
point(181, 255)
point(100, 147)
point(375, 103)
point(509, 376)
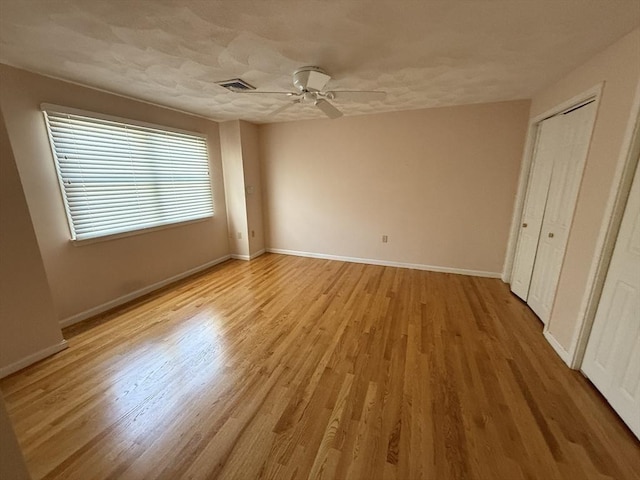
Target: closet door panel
point(534, 207)
point(542, 293)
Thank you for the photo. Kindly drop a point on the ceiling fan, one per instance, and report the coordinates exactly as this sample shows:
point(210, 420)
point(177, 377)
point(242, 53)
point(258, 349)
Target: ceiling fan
point(309, 83)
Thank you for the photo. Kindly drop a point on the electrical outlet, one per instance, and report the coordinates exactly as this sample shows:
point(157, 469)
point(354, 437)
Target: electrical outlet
point(253, 234)
point(385, 239)
point(239, 235)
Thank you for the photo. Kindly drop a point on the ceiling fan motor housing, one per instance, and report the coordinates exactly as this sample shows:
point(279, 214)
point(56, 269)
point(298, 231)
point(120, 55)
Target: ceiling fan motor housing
point(312, 79)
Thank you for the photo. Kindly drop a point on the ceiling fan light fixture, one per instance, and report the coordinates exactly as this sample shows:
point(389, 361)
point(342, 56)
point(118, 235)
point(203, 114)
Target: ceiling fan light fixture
point(309, 97)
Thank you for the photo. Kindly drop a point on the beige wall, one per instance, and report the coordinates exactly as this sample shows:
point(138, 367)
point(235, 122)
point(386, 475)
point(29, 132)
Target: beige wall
point(439, 182)
point(253, 184)
point(619, 67)
point(28, 322)
point(83, 277)
point(231, 147)
point(242, 183)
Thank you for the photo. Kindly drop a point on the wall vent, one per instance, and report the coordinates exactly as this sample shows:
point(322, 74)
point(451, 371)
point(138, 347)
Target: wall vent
point(236, 84)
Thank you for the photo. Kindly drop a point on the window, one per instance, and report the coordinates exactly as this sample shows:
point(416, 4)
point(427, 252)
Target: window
point(118, 177)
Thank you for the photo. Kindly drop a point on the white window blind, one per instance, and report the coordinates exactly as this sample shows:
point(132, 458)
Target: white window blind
point(120, 177)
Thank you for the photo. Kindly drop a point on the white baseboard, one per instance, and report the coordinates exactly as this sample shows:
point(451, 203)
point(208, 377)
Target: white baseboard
point(257, 254)
point(78, 317)
point(237, 256)
point(559, 349)
point(385, 263)
point(33, 358)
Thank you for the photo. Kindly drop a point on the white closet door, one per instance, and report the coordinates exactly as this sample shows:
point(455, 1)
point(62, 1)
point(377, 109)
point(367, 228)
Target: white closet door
point(566, 177)
point(612, 358)
point(534, 206)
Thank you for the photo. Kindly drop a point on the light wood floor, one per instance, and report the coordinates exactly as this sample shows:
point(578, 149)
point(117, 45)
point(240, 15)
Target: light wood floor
point(289, 367)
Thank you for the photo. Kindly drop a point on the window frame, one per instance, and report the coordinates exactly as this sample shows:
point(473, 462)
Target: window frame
point(55, 108)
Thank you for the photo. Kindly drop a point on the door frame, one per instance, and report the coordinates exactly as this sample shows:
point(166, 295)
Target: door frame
point(593, 93)
point(626, 167)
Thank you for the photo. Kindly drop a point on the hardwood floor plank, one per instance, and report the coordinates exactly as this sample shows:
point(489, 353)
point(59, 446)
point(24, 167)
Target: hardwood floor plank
point(295, 368)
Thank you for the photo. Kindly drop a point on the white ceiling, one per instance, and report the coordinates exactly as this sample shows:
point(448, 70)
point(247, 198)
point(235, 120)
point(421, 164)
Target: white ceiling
point(423, 53)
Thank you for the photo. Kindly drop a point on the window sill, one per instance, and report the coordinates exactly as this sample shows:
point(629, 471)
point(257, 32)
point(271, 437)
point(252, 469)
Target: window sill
point(116, 236)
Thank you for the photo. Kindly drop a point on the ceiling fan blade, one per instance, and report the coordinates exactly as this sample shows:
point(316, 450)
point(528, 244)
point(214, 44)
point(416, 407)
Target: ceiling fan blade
point(283, 108)
point(328, 109)
point(357, 95)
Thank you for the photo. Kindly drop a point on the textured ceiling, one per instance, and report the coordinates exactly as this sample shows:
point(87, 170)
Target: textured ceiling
point(423, 53)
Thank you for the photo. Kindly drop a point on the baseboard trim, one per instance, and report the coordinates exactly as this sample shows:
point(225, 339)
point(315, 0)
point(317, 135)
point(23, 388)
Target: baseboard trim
point(33, 358)
point(246, 258)
point(79, 317)
point(559, 349)
point(257, 254)
point(385, 263)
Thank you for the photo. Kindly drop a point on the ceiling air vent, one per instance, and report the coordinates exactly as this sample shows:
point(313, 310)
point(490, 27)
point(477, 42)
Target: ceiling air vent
point(236, 84)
